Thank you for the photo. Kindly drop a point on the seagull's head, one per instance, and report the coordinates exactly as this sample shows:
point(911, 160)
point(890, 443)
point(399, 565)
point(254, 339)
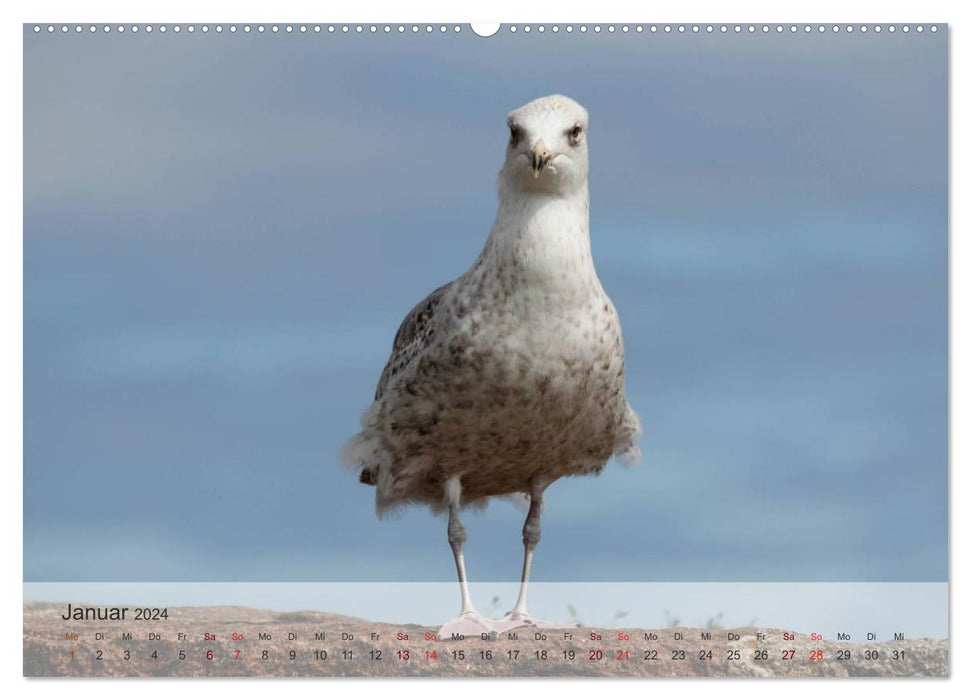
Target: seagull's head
point(547, 149)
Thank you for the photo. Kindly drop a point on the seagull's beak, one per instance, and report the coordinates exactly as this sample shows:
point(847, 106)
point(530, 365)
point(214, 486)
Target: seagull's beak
point(539, 157)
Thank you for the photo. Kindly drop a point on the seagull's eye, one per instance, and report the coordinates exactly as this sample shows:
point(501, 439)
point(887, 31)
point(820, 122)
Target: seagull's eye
point(515, 135)
point(575, 133)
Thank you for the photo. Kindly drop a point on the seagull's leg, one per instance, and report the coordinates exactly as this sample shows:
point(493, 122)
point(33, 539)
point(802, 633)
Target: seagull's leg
point(531, 532)
point(469, 622)
point(519, 616)
point(456, 540)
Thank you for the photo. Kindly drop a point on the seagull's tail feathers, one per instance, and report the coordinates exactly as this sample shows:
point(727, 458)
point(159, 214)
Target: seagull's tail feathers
point(389, 510)
point(627, 452)
point(359, 454)
point(354, 456)
point(630, 456)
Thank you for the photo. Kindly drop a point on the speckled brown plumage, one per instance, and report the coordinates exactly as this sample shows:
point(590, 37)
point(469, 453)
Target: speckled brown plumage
point(511, 376)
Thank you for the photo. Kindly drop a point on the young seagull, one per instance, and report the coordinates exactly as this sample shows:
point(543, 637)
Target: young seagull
point(511, 376)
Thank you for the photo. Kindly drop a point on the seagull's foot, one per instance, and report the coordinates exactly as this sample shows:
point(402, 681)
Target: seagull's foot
point(521, 618)
point(468, 624)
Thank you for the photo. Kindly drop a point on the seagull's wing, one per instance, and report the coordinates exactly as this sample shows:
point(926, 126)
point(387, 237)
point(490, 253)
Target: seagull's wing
point(411, 336)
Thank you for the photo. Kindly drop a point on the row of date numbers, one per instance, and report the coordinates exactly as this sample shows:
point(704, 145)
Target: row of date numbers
point(594, 655)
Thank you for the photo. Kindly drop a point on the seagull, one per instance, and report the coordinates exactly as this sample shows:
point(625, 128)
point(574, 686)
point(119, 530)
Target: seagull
point(511, 376)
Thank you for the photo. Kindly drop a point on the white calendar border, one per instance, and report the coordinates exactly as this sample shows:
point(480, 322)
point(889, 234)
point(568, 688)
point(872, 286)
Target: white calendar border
point(843, 11)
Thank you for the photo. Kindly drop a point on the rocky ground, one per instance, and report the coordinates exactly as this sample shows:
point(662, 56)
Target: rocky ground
point(235, 641)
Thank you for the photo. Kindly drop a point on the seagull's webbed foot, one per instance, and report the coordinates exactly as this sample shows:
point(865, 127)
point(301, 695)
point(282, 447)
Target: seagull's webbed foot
point(467, 624)
point(521, 618)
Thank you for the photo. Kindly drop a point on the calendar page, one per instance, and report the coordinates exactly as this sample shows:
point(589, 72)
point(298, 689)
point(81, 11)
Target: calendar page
point(544, 349)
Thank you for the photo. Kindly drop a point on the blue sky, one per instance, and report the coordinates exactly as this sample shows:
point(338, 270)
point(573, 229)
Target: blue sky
point(211, 290)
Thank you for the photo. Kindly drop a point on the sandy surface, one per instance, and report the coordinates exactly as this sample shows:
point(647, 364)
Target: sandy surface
point(321, 644)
